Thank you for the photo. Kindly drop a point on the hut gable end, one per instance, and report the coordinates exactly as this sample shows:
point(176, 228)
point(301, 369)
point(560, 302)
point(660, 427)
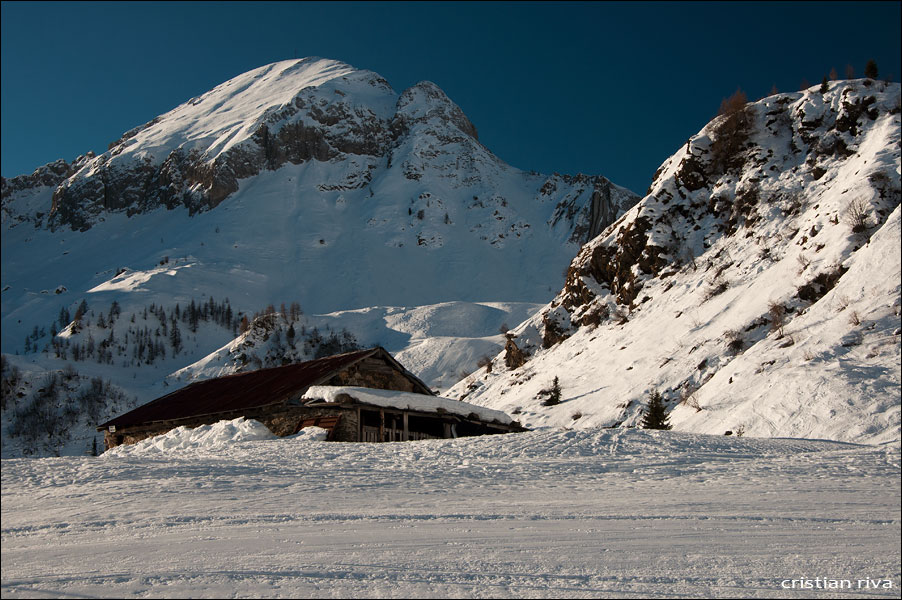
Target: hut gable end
point(377, 372)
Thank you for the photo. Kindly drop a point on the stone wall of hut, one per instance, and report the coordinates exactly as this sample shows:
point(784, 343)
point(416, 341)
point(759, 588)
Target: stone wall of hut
point(285, 422)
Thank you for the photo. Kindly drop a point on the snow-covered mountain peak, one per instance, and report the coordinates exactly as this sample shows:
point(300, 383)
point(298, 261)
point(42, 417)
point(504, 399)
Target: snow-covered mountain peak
point(289, 112)
point(303, 112)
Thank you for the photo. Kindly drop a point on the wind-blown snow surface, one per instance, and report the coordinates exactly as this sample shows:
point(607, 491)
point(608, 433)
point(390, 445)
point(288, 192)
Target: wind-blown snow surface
point(552, 513)
point(230, 113)
point(679, 295)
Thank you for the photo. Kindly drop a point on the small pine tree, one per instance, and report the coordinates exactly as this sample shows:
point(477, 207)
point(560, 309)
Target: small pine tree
point(777, 317)
point(655, 416)
point(175, 338)
point(554, 394)
point(825, 86)
point(833, 75)
point(870, 70)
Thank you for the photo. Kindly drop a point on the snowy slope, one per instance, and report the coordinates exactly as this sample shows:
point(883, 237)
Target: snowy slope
point(439, 342)
point(582, 514)
point(756, 286)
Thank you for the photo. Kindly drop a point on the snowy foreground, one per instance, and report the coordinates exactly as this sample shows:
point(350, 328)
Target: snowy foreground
point(224, 512)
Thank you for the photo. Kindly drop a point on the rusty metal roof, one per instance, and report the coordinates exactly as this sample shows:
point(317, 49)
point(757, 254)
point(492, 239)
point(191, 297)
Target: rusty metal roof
point(247, 390)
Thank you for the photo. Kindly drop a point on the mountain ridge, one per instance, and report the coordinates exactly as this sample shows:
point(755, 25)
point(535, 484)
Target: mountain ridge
point(744, 249)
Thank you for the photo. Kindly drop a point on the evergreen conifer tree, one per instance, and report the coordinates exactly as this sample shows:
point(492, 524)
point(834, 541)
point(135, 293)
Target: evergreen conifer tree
point(824, 85)
point(175, 338)
point(554, 394)
point(655, 416)
point(870, 70)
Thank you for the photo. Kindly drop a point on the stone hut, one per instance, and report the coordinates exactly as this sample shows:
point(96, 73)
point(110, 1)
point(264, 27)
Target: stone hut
point(358, 396)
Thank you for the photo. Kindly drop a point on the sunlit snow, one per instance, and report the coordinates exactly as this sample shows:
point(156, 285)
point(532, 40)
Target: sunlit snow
point(552, 513)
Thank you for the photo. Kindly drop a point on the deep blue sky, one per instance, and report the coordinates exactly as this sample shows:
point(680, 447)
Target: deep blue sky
point(601, 88)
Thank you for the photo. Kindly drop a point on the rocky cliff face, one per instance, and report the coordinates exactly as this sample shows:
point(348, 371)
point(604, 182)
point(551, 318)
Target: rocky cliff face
point(737, 270)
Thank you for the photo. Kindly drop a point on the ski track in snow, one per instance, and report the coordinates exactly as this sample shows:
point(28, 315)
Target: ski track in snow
point(548, 513)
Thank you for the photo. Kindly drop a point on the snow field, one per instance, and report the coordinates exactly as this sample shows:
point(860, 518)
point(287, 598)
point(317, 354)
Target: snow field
point(549, 513)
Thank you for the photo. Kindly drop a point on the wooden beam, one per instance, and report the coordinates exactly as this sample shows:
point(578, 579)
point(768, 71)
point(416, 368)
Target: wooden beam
point(381, 425)
point(406, 430)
